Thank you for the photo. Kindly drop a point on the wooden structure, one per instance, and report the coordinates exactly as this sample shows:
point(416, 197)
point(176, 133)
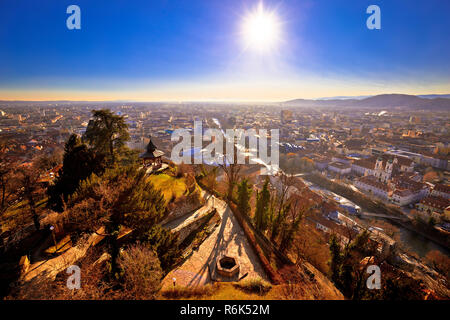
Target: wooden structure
point(152, 156)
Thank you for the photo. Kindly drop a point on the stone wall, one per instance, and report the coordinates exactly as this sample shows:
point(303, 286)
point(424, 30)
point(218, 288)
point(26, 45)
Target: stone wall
point(183, 206)
point(186, 230)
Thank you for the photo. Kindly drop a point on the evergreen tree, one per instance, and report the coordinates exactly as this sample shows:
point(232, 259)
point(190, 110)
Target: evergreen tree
point(120, 197)
point(336, 259)
point(345, 267)
point(79, 162)
point(165, 243)
point(244, 194)
point(124, 197)
point(106, 133)
point(262, 207)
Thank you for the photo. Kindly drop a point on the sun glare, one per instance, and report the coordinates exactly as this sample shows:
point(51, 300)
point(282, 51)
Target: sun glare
point(261, 30)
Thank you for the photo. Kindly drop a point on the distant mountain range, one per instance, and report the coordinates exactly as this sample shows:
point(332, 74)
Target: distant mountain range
point(426, 96)
point(432, 102)
point(429, 102)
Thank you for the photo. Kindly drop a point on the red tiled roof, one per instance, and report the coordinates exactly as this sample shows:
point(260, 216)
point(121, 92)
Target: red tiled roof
point(339, 165)
point(372, 181)
point(445, 188)
point(402, 192)
point(365, 164)
point(435, 202)
point(406, 183)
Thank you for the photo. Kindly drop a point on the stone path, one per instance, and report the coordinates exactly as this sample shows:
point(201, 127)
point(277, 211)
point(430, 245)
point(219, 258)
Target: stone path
point(228, 238)
point(51, 267)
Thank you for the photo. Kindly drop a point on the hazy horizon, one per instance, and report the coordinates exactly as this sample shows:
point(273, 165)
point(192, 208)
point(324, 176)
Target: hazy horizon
point(438, 95)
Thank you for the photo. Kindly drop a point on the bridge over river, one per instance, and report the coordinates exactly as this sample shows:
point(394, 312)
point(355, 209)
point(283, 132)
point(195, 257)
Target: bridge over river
point(379, 215)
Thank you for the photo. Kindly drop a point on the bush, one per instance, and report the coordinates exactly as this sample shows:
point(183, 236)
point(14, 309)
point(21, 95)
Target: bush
point(255, 285)
point(165, 244)
point(141, 272)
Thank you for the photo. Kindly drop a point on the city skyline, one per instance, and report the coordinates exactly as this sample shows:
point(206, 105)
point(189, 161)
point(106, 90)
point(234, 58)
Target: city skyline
point(171, 51)
point(240, 151)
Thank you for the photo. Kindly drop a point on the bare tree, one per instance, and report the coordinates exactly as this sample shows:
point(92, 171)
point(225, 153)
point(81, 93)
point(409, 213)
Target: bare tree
point(209, 176)
point(7, 181)
point(30, 189)
point(296, 212)
point(280, 203)
point(232, 172)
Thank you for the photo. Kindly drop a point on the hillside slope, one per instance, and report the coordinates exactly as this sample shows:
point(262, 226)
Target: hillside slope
point(378, 101)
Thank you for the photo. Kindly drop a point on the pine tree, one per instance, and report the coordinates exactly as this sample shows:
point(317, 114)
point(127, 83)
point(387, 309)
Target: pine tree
point(79, 162)
point(244, 194)
point(336, 259)
point(165, 243)
point(106, 133)
point(262, 208)
point(120, 197)
point(345, 269)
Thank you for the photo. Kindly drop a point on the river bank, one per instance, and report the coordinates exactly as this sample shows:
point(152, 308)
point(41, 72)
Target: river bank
point(411, 234)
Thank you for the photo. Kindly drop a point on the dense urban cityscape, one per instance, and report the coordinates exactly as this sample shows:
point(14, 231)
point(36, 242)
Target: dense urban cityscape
point(381, 170)
point(221, 159)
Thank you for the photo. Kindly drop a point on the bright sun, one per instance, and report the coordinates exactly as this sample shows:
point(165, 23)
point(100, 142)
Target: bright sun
point(261, 30)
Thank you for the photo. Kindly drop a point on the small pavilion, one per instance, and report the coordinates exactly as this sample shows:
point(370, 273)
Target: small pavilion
point(152, 156)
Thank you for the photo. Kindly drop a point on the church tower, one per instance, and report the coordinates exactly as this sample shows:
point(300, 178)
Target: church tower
point(389, 166)
point(379, 164)
point(388, 170)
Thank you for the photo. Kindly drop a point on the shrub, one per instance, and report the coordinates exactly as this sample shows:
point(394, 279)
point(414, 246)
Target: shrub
point(292, 291)
point(255, 285)
point(165, 244)
point(141, 272)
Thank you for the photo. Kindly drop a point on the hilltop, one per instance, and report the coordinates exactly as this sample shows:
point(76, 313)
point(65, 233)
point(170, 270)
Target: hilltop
point(378, 101)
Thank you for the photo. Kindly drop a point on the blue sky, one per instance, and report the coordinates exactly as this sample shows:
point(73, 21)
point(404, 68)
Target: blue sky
point(194, 50)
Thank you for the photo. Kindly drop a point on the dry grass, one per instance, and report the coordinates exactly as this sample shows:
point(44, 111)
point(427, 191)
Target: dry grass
point(216, 291)
point(231, 291)
point(171, 187)
point(255, 285)
point(178, 292)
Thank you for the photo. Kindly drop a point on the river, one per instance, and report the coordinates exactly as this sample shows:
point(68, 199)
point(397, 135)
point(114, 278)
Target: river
point(416, 242)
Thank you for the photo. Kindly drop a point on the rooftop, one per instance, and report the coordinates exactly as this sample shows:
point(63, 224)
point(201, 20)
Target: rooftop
point(151, 152)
